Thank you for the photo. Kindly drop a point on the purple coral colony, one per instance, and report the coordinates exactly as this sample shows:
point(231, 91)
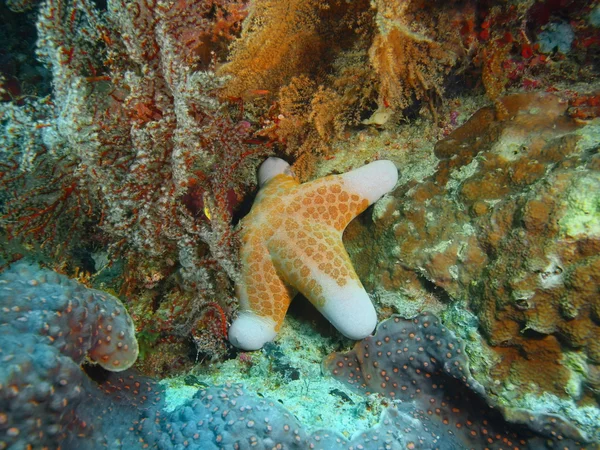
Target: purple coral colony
point(136, 137)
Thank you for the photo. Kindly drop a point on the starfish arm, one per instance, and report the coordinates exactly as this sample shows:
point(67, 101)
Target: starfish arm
point(372, 181)
point(327, 201)
point(264, 300)
point(337, 199)
point(312, 259)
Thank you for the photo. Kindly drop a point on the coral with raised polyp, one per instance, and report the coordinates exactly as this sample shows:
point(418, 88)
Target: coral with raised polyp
point(50, 323)
point(424, 366)
point(49, 326)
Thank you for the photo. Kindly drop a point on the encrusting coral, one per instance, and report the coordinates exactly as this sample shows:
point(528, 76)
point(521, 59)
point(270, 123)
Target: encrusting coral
point(508, 225)
point(292, 240)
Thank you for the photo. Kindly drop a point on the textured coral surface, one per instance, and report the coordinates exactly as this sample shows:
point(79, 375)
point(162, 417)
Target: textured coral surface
point(47, 400)
point(424, 366)
point(48, 326)
point(508, 224)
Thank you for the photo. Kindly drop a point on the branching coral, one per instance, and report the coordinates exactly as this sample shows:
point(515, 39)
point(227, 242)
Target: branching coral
point(352, 60)
point(287, 49)
point(279, 40)
point(339, 61)
point(133, 151)
point(413, 50)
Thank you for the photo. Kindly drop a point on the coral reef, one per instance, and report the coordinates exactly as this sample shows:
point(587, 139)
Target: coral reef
point(145, 149)
point(415, 46)
point(285, 66)
point(129, 158)
point(424, 367)
point(70, 409)
point(508, 225)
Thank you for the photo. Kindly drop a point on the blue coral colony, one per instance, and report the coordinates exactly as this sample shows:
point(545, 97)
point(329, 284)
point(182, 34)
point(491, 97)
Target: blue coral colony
point(426, 174)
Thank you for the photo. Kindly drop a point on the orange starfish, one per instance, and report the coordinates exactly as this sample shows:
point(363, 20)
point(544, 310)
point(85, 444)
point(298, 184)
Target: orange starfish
point(292, 241)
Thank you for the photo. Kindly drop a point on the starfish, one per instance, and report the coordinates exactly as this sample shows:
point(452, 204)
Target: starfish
point(292, 241)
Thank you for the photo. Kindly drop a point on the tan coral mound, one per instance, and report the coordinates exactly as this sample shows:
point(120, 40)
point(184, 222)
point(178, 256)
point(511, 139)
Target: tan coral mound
point(510, 223)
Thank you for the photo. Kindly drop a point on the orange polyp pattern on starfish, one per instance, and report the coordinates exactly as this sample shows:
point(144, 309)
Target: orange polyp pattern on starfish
point(292, 240)
point(330, 204)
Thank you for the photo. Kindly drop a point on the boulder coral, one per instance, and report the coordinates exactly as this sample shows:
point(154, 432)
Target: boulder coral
point(508, 224)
